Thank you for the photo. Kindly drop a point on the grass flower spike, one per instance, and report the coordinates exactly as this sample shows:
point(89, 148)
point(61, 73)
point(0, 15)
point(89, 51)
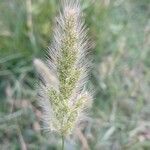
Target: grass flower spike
point(62, 90)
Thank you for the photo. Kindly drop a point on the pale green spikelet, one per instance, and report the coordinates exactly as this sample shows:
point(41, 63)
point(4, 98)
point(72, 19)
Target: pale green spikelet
point(63, 94)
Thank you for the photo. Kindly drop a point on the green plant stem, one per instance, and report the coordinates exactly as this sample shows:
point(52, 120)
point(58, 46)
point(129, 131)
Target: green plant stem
point(63, 141)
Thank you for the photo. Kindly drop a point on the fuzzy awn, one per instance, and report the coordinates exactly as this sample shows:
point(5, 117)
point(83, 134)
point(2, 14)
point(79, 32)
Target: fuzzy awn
point(62, 90)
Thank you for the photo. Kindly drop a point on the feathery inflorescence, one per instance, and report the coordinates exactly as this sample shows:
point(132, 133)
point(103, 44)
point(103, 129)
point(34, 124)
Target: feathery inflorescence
point(64, 76)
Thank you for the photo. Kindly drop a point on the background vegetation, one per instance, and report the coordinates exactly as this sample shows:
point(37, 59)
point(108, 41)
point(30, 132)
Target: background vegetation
point(120, 116)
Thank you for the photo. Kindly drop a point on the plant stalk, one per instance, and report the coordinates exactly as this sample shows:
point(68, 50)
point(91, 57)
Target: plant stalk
point(63, 141)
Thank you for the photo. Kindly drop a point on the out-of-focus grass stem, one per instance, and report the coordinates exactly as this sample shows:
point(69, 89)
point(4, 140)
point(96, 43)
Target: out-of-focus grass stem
point(30, 24)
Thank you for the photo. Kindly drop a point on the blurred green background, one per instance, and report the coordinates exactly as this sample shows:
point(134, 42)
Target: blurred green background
point(120, 76)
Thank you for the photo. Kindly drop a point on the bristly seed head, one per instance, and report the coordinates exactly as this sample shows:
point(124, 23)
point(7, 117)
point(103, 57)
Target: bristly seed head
point(63, 96)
